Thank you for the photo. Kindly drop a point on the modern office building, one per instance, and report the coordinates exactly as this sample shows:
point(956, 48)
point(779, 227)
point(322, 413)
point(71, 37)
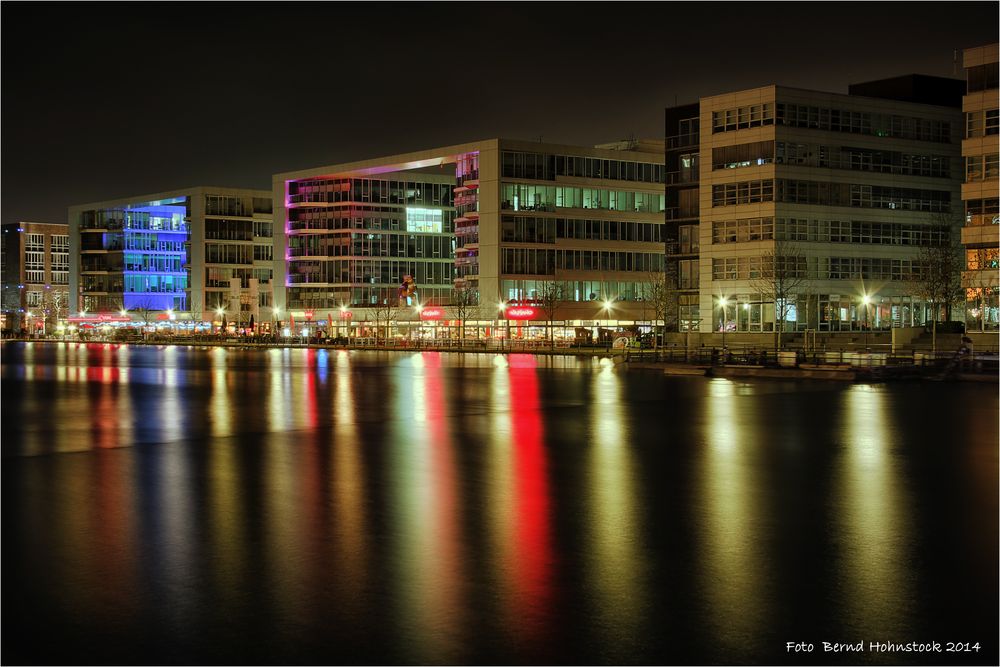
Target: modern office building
point(506, 219)
point(191, 255)
point(35, 270)
point(809, 207)
point(981, 151)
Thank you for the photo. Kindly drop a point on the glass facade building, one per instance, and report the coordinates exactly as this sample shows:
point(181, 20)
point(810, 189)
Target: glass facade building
point(832, 196)
point(190, 253)
point(501, 218)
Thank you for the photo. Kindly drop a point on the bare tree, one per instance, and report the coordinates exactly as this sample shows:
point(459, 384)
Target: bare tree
point(55, 305)
point(657, 296)
point(937, 279)
point(145, 309)
point(385, 310)
point(548, 297)
point(782, 276)
point(464, 302)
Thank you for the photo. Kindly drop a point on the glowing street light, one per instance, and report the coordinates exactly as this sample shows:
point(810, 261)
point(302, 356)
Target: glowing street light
point(865, 299)
point(723, 302)
point(607, 305)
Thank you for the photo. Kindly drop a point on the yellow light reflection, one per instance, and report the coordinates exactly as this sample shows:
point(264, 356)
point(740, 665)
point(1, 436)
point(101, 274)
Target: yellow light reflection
point(351, 545)
point(615, 565)
point(871, 506)
point(428, 556)
point(220, 408)
point(733, 575)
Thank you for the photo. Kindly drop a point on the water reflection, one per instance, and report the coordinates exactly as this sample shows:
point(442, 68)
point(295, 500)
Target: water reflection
point(732, 521)
point(300, 506)
point(615, 552)
point(519, 499)
point(872, 512)
point(425, 511)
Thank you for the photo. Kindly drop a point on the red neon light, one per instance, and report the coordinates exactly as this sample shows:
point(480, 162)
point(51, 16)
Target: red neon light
point(431, 314)
point(309, 314)
point(346, 314)
point(520, 313)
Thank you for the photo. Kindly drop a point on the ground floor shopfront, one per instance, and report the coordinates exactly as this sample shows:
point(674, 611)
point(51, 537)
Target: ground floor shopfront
point(826, 313)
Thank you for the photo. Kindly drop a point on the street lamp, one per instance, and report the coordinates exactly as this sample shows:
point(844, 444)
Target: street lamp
point(723, 302)
point(866, 300)
point(608, 305)
point(502, 307)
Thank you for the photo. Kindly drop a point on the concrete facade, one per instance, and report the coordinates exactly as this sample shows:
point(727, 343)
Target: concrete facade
point(842, 190)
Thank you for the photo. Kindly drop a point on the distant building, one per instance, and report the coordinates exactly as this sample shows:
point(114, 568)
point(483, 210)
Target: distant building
point(834, 193)
point(505, 219)
point(35, 270)
point(981, 151)
point(190, 254)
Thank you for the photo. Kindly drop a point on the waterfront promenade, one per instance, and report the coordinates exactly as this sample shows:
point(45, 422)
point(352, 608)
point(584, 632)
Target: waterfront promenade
point(876, 362)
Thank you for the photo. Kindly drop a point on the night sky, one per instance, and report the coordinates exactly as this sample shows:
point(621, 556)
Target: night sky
point(111, 100)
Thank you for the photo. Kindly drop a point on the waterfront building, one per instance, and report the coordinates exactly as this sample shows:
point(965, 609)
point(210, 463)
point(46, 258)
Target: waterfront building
point(186, 255)
point(501, 222)
point(981, 152)
point(810, 208)
point(35, 276)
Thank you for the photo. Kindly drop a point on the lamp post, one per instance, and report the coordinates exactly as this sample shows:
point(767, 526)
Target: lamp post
point(502, 308)
point(723, 302)
point(865, 300)
point(607, 306)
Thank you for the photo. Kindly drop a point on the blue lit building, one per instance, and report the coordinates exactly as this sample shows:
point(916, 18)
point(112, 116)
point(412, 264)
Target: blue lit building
point(188, 253)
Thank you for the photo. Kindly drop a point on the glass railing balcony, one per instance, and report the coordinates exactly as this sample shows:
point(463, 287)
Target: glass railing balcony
point(683, 140)
point(677, 213)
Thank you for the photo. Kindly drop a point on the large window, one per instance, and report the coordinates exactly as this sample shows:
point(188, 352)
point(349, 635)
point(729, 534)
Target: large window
point(982, 77)
point(541, 167)
point(740, 118)
point(424, 220)
point(863, 122)
point(743, 155)
point(745, 192)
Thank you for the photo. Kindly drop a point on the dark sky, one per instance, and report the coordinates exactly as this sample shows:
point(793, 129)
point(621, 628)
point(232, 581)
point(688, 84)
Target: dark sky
point(111, 100)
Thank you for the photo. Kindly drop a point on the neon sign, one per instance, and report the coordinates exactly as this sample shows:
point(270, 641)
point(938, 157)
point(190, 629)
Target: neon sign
point(520, 313)
point(346, 314)
point(431, 314)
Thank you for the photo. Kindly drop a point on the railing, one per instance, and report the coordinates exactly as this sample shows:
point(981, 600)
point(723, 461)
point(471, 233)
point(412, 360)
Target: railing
point(683, 140)
point(676, 213)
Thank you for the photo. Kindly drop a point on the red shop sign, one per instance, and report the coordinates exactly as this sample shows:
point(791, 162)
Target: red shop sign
point(431, 314)
point(520, 313)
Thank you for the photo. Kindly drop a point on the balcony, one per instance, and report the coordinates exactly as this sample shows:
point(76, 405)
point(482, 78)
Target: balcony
point(677, 213)
point(680, 141)
point(680, 178)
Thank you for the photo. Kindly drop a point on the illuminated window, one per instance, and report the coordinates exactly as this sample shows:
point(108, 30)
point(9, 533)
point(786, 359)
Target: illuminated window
point(426, 220)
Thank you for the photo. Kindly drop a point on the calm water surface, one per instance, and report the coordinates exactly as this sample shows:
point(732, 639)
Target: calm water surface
point(186, 505)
